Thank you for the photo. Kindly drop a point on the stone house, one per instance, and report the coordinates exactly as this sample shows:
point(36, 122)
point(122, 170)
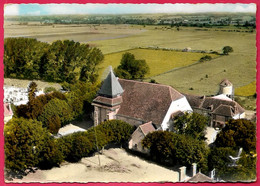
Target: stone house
point(219, 108)
point(138, 135)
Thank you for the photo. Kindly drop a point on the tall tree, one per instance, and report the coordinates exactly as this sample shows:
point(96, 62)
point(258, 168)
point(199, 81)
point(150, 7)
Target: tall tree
point(24, 140)
point(238, 133)
point(192, 124)
point(130, 68)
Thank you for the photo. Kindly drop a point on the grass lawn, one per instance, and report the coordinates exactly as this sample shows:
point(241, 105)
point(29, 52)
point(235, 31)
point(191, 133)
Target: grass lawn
point(247, 90)
point(159, 61)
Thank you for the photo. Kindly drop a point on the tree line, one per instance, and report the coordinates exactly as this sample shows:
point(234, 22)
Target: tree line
point(186, 145)
point(28, 144)
point(56, 109)
point(61, 61)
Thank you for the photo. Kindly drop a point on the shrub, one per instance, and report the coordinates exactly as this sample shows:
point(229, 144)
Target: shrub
point(49, 89)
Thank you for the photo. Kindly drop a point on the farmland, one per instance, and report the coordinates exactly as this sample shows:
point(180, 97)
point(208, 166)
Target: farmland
point(203, 78)
point(159, 61)
point(247, 90)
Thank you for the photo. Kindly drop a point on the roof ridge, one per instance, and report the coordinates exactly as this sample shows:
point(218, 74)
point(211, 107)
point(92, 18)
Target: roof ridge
point(143, 82)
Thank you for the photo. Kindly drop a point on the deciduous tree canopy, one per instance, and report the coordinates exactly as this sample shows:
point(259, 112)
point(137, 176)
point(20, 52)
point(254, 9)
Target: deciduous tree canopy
point(238, 133)
point(130, 68)
point(61, 61)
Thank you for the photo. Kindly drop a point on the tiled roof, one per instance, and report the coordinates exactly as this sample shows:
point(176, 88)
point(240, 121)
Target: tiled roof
point(108, 101)
point(225, 82)
point(217, 106)
point(199, 177)
point(225, 110)
point(146, 101)
point(111, 87)
point(147, 127)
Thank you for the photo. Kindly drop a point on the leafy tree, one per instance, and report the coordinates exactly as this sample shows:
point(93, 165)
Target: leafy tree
point(53, 124)
point(190, 150)
point(62, 61)
point(219, 159)
point(168, 147)
point(238, 133)
point(130, 68)
point(50, 154)
point(56, 107)
point(192, 124)
point(24, 141)
point(227, 49)
point(162, 145)
point(22, 57)
point(80, 147)
point(205, 58)
point(117, 131)
point(32, 88)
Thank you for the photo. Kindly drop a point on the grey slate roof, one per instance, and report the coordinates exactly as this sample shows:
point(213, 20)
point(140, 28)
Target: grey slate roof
point(111, 86)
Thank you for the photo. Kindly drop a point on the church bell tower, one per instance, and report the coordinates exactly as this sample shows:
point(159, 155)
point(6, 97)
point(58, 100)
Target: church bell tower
point(107, 103)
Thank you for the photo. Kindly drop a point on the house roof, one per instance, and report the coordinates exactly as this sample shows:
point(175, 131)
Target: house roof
point(110, 87)
point(147, 127)
point(146, 101)
point(199, 177)
point(224, 110)
point(225, 83)
point(7, 110)
point(215, 105)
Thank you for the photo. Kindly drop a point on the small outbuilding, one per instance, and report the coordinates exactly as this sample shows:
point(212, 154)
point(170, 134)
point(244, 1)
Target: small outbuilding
point(139, 134)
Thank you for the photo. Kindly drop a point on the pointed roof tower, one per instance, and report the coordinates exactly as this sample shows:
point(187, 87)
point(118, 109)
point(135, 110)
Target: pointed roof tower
point(111, 87)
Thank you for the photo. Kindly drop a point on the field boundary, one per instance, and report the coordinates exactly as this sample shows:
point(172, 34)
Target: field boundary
point(178, 68)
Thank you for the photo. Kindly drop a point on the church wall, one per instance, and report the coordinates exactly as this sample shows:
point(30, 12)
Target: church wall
point(177, 105)
point(131, 121)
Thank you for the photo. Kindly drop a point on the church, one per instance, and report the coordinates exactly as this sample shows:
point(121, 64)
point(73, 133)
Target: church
point(140, 103)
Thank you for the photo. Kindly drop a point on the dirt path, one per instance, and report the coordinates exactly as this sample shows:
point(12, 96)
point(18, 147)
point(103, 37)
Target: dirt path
point(116, 166)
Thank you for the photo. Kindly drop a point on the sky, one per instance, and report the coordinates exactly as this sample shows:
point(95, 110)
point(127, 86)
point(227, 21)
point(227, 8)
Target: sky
point(52, 9)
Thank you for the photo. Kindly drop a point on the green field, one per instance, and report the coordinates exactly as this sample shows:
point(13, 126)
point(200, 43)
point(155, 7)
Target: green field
point(159, 61)
point(203, 78)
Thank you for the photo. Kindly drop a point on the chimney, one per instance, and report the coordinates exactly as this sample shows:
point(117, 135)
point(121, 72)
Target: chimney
point(194, 169)
point(182, 173)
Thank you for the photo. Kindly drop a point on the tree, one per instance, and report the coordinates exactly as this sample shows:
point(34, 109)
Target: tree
point(162, 145)
point(192, 124)
point(190, 150)
point(50, 154)
point(130, 68)
point(32, 88)
point(169, 147)
point(24, 141)
point(238, 133)
point(116, 131)
point(244, 171)
point(22, 57)
point(56, 107)
point(227, 49)
point(205, 58)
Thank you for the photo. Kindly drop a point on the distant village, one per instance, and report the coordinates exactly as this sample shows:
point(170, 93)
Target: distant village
point(196, 20)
